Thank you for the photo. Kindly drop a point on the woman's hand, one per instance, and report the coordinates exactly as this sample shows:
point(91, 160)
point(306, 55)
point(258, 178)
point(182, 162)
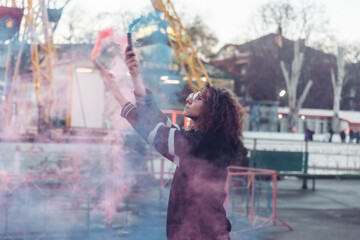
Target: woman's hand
point(133, 65)
point(132, 62)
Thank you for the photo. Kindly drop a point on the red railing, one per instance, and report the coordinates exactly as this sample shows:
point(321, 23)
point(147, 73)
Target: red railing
point(252, 184)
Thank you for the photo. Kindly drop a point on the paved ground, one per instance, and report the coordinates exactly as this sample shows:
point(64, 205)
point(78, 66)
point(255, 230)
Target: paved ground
point(330, 212)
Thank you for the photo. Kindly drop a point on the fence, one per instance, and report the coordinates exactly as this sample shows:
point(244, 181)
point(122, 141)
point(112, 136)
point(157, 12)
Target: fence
point(47, 194)
point(252, 197)
point(324, 158)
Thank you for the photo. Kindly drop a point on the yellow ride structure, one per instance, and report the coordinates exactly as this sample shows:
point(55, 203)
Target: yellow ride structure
point(43, 58)
point(36, 30)
point(184, 50)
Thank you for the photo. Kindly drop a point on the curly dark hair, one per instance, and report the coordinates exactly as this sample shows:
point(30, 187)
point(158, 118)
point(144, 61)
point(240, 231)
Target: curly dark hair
point(221, 113)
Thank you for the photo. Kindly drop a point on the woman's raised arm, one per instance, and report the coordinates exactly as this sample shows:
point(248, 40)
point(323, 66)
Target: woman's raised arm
point(133, 64)
point(109, 82)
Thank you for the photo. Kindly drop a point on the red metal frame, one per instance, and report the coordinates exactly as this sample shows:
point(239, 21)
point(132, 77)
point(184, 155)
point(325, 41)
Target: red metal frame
point(250, 174)
point(174, 114)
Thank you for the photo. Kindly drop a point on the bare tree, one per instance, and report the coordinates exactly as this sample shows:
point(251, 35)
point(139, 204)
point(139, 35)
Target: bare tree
point(278, 14)
point(292, 80)
point(76, 28)
point(312, 21)
point(338, 83)
point(73, 26)
point(56, 4)
point(351, 52)
point(305, 19)
point(203, 39)
point(119, 20)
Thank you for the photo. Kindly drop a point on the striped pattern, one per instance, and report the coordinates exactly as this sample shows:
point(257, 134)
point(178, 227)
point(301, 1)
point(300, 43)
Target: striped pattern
point(163, 128)
point(171, 146)
point(152, 134)
point(126, 109)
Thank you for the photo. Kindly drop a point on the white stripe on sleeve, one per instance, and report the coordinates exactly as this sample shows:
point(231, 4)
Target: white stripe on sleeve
point(125, 108)
point(129, 111)
point(152, 134)
point(171, 145)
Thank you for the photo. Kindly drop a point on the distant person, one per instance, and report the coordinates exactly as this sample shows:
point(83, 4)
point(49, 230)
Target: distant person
point(342, 136)
point(309, 134)
point(352, 135)
point(331, 132)
point(357, 136)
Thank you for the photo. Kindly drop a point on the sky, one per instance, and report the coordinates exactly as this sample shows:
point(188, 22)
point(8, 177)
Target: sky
point(230, 19)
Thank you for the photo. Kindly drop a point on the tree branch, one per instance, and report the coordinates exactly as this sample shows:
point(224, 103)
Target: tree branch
point(286, 74)
point(303, 95)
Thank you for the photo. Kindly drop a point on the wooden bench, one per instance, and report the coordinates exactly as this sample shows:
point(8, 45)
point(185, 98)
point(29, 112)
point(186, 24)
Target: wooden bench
point(285, 163)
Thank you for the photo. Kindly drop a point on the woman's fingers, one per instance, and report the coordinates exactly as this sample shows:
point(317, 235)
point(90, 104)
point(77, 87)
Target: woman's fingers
point(133, 59)
point(132, 64)
point(127, 48)
point(129, 54)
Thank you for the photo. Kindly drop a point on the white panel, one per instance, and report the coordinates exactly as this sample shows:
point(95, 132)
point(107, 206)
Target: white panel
point(87, 101)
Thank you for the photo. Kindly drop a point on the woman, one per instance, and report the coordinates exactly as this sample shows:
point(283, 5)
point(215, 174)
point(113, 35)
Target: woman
point(202, 153)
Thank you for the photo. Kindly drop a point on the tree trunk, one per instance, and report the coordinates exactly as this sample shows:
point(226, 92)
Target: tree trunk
point(291, 85)
point(337, 85)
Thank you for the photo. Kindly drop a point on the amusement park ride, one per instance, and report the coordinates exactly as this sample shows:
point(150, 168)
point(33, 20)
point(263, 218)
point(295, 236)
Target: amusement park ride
point(181, 43)
point(37, 30)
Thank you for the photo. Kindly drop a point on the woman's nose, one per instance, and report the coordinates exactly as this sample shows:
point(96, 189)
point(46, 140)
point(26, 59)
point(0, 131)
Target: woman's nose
point(189, 100)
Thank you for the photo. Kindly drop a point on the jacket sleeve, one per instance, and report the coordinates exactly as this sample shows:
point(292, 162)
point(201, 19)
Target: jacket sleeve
point(148, 106)
point(156, 128)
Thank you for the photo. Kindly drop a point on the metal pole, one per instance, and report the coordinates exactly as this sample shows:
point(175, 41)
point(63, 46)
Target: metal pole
point(254, 157)
point(26, 200)
point(6, 214)
point(45, 212)
point(274, 197)
point(304, 186)
point(162, 172)
point(88, 214)
point(252, 179)
point(6, 104)
point(173, 117)
point(69, 97)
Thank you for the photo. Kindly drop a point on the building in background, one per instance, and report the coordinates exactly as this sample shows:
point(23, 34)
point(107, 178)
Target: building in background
point(258, 77)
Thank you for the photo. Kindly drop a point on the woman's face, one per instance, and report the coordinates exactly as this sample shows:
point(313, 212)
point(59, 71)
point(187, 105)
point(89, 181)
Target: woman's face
point(193, 106)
